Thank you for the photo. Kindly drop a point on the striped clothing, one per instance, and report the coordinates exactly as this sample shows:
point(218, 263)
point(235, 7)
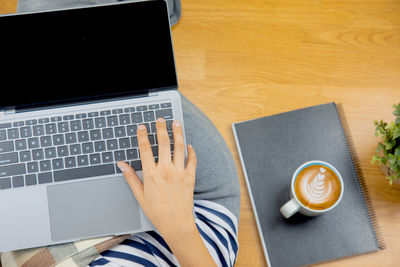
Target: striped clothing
point(218, 228)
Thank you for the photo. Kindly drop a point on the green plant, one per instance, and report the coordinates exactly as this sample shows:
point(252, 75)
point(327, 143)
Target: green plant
point(388, 150)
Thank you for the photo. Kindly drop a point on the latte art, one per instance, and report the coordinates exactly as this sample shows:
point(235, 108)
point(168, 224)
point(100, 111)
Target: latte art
point(317, 187)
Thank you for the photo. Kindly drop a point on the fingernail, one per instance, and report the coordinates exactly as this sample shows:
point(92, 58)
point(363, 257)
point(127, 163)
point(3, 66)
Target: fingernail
point(121, 166)
point(160, 120)
point(141, 127)
point(177, 124)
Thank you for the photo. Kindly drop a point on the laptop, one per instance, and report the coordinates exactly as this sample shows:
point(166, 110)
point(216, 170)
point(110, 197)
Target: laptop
point(76, 84)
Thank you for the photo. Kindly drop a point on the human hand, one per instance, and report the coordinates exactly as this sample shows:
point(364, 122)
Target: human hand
point(166, 192)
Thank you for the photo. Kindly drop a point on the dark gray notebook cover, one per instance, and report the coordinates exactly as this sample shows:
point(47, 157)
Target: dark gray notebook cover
point(271, 149)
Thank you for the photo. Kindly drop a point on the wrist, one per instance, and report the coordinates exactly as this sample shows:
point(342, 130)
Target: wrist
point(179, 230)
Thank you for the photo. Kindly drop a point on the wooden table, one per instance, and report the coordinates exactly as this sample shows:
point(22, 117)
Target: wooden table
point(239, 60)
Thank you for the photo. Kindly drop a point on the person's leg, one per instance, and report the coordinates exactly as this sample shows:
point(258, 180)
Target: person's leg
point(216, 174)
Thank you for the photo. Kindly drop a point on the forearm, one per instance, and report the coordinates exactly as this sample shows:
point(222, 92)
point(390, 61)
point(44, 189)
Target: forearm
point(188, 247)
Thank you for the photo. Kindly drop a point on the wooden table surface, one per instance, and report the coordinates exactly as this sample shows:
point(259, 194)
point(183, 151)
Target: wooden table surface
point(239, 60)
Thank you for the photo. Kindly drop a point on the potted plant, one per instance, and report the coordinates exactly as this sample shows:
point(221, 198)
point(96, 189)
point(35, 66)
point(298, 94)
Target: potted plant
point(387, 153)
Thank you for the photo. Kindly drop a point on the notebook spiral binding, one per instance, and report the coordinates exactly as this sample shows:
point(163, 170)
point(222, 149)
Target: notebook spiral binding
point(361, 179)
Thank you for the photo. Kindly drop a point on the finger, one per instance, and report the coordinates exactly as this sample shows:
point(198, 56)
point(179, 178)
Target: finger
point(164, 149)
point(191, 161)
point(132, 179)
point(146, 154)
point(179, 146)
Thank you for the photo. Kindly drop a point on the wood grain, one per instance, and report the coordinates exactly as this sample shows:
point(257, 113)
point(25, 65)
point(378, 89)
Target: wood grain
point(239, 60)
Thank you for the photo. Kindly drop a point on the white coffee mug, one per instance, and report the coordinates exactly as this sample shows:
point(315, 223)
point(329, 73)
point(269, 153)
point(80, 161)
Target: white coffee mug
point(294, 205)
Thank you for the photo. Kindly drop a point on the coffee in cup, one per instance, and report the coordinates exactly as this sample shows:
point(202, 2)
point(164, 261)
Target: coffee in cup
point(316, 187)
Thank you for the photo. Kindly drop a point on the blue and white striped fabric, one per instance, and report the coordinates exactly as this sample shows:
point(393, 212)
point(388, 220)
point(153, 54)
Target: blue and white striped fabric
point(218, 228)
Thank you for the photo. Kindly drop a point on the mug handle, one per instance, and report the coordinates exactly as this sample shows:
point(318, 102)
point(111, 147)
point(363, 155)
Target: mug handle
point(290, 208)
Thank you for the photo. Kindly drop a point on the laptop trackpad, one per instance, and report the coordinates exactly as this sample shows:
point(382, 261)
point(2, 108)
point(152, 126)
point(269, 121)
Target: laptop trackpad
point(92, 208)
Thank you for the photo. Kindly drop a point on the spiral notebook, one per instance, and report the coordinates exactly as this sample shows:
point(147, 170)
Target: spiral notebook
point(270, 149)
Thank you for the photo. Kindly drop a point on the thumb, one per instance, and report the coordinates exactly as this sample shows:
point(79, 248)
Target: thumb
point(132, 179)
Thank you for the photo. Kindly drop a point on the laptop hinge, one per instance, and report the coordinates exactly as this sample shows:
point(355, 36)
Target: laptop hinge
point(153, 93)
point(9, 111)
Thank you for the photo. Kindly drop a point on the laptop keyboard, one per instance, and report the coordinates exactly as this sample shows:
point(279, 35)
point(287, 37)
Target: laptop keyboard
point(75, 146)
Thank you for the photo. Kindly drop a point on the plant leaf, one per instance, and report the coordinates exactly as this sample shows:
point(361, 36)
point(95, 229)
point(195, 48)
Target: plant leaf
point(388, 145)
point(396, 112)
point(396, 133)
point(397, 152)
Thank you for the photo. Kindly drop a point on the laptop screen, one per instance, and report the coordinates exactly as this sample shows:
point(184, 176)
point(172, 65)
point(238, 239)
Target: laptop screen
point(85, 53)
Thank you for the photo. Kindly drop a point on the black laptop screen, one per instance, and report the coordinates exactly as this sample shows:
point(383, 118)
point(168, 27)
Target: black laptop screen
point(79, 54)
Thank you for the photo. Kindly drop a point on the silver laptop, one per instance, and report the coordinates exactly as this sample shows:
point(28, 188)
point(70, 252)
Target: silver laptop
point(76, 83)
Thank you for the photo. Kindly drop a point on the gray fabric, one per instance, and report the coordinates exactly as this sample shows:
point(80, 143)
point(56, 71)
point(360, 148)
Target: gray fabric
point(174, 6)
point(216, 175)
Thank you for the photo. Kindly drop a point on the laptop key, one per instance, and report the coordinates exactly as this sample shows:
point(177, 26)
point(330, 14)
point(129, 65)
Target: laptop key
point(141, 108)
point(154, 106)
point(165, 105)
point(45, 141)
point(33, 143)
point(70, 162)
point(13, 133)
point(8, 158)
point(45, 177)
point(58, 139)
point(95, 135)
point(94, 159)
point(131, 130)
point(11, 170)
point(100, 122)
point(83, 136)
point(5, 125)
point(136, 165)
point(25, 156)
point(124, 143)
point(5, 183)
point(31, 122)
point(112, 144)
point(83, 160)
point(50, 152)
point(75, 125)
point(88, 124)
point(32, 167)
point(51, 128)
point(164, 113)
point(38, 130)
point(120, 131)
point(20, 144)
point(26, 132)
point(75, 149)
point(58, 164)
point(132, 154)
point(119, 155)
point(87, 148)
point(100, 146)
point(38, 154)
point(107, 157)
point(148, 116)
point(112, 121)
point(137, 117)
point(18, 181)
point(108, 133)
point(30, 179)
point(124, 119)
point(70, 138)
point(6, 146)
point(63, 127)
point(84, 172)
point(45, 165)
point(3, 135)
